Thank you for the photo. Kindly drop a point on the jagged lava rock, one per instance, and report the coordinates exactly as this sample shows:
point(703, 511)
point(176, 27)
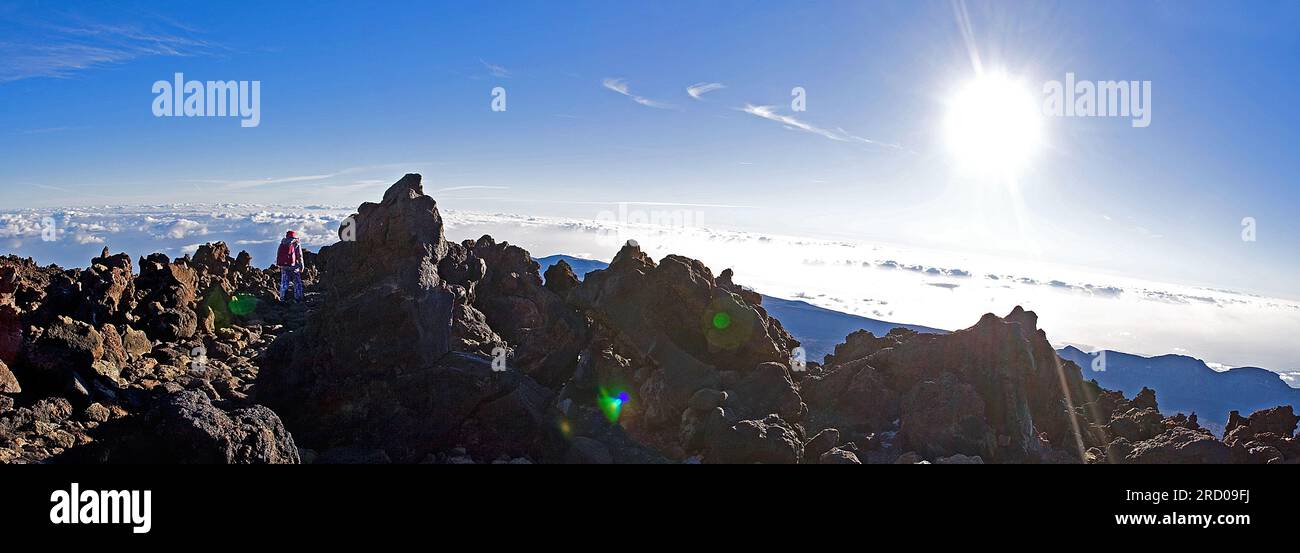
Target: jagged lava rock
point(374, 366)
point(681, 331)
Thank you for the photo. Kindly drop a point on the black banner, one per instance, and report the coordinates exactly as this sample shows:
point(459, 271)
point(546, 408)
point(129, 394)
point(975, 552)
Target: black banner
point(314, 502)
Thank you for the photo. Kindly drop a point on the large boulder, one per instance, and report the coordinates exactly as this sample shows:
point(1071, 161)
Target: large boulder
point(683, 331)
point(544, 332)
point(1026, 394)
point(823, 442)
point(764, 390)
point(767, 441)
point(560, 278)
point(32, 295)
point(62, 349)
point(678, 302)
point(108, 286)
point(861, 344)
point(1278, 421)
point(166, 283)
point(174, 324)
point(1180, 446)
point(374, 367)
point(185, 427)
point(1136, 424)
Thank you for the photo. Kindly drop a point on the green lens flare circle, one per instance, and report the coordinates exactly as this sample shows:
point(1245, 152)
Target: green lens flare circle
point(721, 320)
point(243, 304)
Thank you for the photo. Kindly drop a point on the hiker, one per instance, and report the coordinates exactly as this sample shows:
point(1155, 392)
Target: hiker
point(289, 259)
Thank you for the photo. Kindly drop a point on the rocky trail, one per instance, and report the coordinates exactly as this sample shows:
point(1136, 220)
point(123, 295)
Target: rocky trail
point(410, 348)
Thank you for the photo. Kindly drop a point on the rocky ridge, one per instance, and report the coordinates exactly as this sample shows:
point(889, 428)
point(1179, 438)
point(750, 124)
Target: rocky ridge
point(413, 348)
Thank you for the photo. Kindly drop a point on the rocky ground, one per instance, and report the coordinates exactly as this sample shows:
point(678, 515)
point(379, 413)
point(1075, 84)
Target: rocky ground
point(411, 348)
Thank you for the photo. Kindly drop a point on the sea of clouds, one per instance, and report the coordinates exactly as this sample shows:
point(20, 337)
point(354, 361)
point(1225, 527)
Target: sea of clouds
point(882, 281)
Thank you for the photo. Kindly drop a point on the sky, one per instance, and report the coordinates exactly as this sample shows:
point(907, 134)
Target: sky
point(677, 106)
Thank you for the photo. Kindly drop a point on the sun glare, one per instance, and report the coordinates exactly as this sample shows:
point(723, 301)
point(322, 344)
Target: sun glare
point(993, 127)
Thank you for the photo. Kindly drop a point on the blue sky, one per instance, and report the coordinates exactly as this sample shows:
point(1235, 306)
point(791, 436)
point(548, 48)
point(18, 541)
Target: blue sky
point(352, 97)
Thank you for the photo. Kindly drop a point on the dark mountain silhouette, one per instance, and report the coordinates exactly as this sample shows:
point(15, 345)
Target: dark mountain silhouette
point(1187, 385)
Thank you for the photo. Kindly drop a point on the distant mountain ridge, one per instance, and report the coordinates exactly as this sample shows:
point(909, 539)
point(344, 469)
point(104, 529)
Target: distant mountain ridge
point(1186, 384)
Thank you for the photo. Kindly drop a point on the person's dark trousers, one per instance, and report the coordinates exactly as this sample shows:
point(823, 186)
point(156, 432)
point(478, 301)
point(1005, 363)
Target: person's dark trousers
point(287, 275)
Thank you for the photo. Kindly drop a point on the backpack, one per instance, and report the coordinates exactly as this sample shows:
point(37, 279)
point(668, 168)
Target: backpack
point(287, 256)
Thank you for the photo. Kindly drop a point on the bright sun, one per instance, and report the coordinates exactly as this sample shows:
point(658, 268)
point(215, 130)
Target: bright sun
point(993, 127)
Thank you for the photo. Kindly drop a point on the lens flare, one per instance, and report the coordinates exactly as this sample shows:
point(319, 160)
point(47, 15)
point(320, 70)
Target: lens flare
point(243, 304)
point(611, 404)
point(721, 320)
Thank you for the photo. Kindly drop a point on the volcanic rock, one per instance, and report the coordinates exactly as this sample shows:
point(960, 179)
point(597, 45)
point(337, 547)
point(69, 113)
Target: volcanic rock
point(944, 417)
point(681, 332)
point(374, 366)
point(1279, 421)
point(767, 441)
point(560, 278)
point(543, 331)
point(838, 456)
point(8, 382)
point(823, 442)
point(997, 390)
point(1180, 446)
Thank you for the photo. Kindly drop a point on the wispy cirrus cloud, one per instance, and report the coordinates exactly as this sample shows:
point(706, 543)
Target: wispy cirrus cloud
point(790, 122)
point(700, 89)
point(242, 184)
point(254, 183)
point(620, 86)
point(475, 187)
point(62, 50)
point(495, 70)
point(47, 130)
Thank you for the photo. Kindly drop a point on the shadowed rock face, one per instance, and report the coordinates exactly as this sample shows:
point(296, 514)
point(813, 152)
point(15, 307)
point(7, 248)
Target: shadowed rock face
point(185, 427)
point(374, 367)
point(348, 373)
point(400, 356)
point(700, 361)
point(996, 390)
point(545, 333)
